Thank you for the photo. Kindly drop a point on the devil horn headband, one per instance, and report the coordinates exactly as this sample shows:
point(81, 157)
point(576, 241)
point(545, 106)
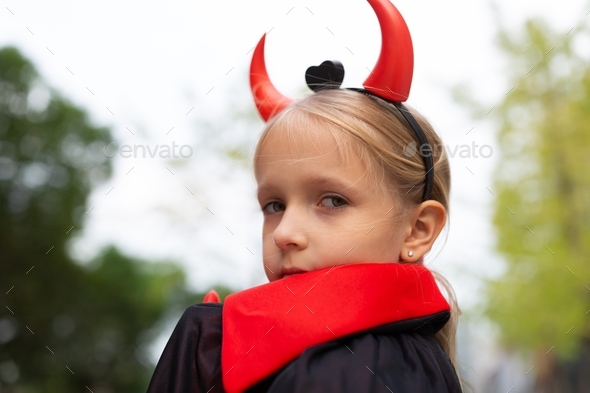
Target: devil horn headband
point(390, 79)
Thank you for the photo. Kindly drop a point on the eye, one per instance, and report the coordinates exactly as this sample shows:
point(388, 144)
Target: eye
point(273, 207)
point(334, 202)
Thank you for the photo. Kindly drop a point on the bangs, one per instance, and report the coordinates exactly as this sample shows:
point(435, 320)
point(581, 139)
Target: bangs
point(303, 126)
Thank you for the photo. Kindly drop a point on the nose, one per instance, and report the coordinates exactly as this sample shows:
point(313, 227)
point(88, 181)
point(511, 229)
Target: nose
point(291, 231)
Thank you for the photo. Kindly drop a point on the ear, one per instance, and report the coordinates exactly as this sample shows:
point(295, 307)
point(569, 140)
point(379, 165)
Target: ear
point(424, 226)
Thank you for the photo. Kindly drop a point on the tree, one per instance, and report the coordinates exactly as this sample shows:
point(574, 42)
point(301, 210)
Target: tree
point(541, 210)
point(66, 326)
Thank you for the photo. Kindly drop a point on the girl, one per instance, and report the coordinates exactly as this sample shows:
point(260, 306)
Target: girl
point(349, 213)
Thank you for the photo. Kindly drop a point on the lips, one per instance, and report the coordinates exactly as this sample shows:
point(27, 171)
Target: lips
point(291, 272)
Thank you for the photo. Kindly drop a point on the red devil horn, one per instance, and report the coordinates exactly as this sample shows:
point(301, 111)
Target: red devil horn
point(269, 100)
point(391, 77)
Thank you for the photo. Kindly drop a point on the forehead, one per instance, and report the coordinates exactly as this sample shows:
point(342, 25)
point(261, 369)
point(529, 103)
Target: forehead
point(307, 154)
point(289, 143)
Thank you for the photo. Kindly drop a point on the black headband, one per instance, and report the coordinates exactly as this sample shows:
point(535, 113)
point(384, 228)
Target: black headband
point(330, 74)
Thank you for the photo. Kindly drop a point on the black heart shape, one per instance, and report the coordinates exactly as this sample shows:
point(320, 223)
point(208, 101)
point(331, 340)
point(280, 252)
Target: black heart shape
point(328, 75)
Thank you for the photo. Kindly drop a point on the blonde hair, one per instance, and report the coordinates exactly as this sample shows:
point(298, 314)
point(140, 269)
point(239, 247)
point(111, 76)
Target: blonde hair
point(380, 136)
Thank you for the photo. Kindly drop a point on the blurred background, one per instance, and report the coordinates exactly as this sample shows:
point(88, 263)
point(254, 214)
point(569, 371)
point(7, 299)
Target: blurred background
point(126, 187)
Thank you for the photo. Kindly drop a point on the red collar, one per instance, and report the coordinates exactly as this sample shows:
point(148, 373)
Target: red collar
point(266, 327)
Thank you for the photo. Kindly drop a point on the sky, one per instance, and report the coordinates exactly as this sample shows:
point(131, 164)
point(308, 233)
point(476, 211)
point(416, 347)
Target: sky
point(159, 73)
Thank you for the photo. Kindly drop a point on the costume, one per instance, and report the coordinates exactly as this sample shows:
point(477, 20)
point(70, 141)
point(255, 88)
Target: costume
point(351, 328)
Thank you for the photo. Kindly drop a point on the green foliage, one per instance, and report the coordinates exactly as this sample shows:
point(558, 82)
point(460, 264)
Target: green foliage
point(543, 188)
point(97, 318)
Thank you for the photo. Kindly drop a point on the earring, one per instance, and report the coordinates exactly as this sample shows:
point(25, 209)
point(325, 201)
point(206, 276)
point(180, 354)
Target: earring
point(410, 253)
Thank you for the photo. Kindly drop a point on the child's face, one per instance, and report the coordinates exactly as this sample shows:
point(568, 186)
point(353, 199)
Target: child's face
point(318, 211)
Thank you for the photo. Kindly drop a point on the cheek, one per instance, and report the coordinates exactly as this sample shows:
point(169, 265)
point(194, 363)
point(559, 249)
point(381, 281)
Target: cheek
point(266, 250)
point(269, 250)
point(267, 232)
point(268, 226)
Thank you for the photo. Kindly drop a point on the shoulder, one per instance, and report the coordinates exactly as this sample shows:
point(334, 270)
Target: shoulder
point(372, 361)
point(197, 322)
point(191, 360)
point(201, 314)
point(198, 332)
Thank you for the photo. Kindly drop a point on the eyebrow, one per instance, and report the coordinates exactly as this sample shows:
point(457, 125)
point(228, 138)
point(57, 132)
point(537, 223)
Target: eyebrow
point(314, 180)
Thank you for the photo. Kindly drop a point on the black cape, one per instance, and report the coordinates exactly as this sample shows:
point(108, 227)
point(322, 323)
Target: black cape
point(399, 357)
